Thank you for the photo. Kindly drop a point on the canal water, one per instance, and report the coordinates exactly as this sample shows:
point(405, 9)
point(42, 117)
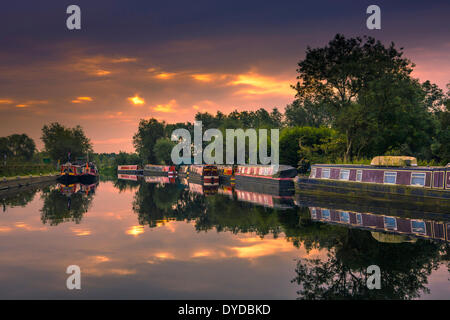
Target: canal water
point(138, 240)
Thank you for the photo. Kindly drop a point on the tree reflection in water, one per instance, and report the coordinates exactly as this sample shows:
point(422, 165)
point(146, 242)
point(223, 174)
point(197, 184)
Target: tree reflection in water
point(405, 267)
point(63, 203)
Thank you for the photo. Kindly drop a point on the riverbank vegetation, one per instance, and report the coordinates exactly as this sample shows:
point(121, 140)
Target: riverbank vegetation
point(355, 99)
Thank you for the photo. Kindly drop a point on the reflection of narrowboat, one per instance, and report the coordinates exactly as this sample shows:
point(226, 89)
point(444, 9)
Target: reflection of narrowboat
point(226, 190)
point(203, 189)
point(398, 176)
point(129, 177)
point(160, 170)
point(272, 179)
point(266, 200)
point(201, 174)
point(133, 169)
point(159, 179)
point(435, 230)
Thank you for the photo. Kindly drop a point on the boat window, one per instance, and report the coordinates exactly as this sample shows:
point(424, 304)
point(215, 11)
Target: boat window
point(313, 173)
point(359, 175)
point(344, 174)
point(418, 179)
point(326, 173)
point(326, 214)
point(418, 226)
point(390, 177)
point(344, 216)
point(390, 223)
point(313, 213)
point(359, 219)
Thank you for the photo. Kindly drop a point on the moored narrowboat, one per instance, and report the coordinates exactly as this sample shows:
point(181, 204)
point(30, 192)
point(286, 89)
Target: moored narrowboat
point(226, 174)
point(132, 169)
point(204, 174)
point(273, 179)
point(89, 173)
point(398, 176)
point(70, 172)
point(160, 170)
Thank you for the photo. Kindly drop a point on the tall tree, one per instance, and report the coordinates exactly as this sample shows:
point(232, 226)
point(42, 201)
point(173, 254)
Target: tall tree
point(144, 140)
point(60, 140)
point(17, 146)
point(336, 75)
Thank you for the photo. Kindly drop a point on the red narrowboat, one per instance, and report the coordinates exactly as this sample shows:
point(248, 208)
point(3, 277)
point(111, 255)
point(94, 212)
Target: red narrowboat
point(271, 179)
point(70, 172)
point(203, 174)
point(160, 170)
point(89, 173)
point(132, 169)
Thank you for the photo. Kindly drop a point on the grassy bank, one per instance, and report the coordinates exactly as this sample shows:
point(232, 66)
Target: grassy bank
point(14, 170)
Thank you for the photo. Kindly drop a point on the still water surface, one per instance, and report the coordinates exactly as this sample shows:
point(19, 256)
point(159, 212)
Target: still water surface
point(137, 240)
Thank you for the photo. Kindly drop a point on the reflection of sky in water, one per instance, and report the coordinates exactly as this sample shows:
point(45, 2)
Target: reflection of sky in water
point(121, 259)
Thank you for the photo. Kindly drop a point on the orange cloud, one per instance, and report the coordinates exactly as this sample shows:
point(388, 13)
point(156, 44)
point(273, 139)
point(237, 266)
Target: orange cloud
point(256, 84)
point(82, 99)
point(165, 75)
point(6, 101)
point(136, 100)
point(102, 72)
point(166, 108)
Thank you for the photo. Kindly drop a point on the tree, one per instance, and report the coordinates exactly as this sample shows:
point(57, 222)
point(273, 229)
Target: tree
point(21, 146)
point(162, 150)
point(335, 76)
point(305, 113)
point(300, 146)
point(144, 140)
point(59, 141)
point(441, 141)
point(17, 146)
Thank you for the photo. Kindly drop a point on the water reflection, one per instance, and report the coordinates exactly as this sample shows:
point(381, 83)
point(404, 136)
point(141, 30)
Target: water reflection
point(64, 203)
point(160, 239)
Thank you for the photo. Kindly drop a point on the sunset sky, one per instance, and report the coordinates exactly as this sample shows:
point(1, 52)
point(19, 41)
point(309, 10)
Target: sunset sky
point(171, 59)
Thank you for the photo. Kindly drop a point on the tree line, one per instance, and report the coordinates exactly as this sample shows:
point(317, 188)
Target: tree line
point(355, 99)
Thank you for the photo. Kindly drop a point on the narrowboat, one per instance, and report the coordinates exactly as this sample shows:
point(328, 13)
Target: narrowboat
point(201, 174)
point(272, 179)
point(390, 178)
point(89, 173)
point(226, 174)
point(70, 172)
point(160, 170)
point(417, 228)
point(133, 169)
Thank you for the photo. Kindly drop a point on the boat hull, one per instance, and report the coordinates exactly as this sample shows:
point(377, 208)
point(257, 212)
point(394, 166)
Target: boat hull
point(394, 193)
point(68, 179)
point(88, 178)
point(265, 185)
